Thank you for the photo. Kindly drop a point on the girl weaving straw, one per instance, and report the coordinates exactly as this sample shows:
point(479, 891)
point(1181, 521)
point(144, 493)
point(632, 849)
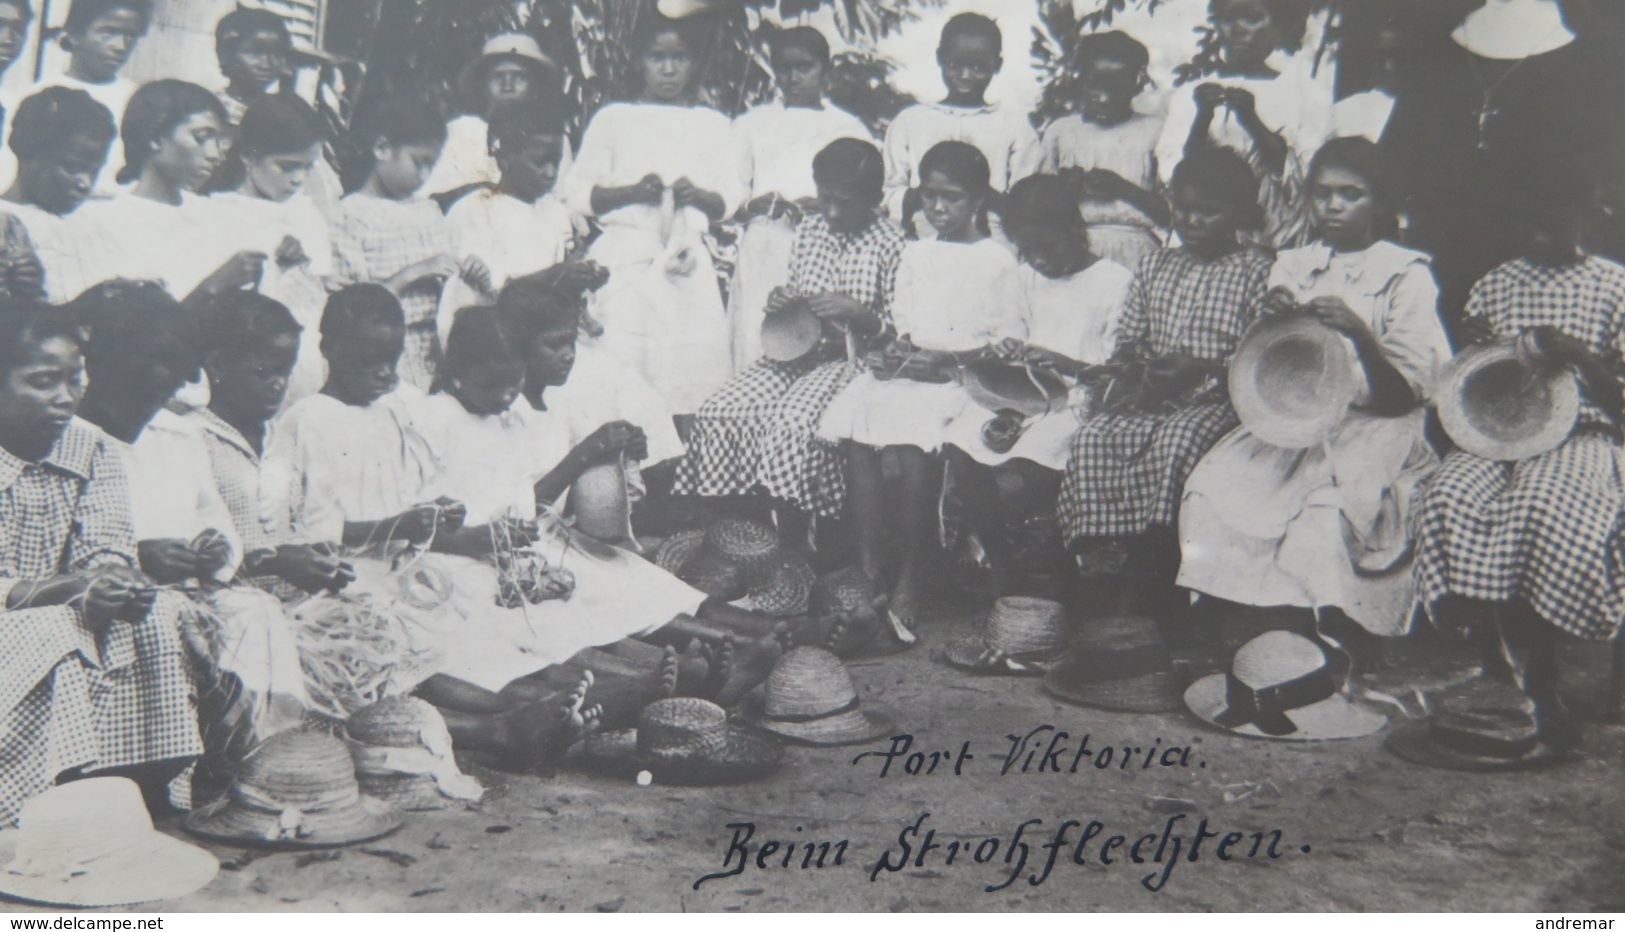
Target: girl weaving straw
point(778, 143)
point(1071, 301)
point(1528, 554)
point(656, 173)
point(952, 304)
point(388, 235)
point(757, 433)
point(360, 474)
point(61, 139)
point(1185, 311)
point(1108, 151)
point(69, 591)
point(279, 144)
point(1326, 528)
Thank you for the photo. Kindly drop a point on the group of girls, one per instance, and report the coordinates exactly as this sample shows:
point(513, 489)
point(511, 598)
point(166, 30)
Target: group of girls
point(225, 392)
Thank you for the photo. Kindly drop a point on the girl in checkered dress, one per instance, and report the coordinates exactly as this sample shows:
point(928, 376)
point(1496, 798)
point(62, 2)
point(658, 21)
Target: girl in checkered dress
point(757, 432)
point(1534, 548)
point(1325, 527)
point(952, 304)
point(93, 672)
point(388, 235)
point(1184, 314)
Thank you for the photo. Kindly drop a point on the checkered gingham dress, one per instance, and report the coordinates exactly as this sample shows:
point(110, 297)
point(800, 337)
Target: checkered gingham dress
point(70, 698)
point(1546, 531)
point(374, 240)
point(1126, 472)
point(757, 432)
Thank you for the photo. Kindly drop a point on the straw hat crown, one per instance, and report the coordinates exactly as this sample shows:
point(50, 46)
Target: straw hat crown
point(306, 770)
point(1292, 380)
point(396, 722)
point(1024, 625)
point(676, 728)
point(1276, 657)
point(1493, 406)
point(749, 543)
point(1120, 663)
point(808, 681)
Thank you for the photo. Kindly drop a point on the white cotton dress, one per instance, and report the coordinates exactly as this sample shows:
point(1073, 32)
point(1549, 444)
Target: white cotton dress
point(511, 237)
point(950, 297)
point(1327, 526)
point(1076, 316)
point(1118, 230)
point(662, 310)
point(777, 146)
point(1002, 133)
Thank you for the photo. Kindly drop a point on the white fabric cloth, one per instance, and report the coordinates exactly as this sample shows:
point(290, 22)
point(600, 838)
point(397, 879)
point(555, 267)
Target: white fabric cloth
point(777, 146)
point(1003, 134)
point(1118, 230)
point(262, 225)
point(72, 252)
point(1076, 316)
point(950, 297)
point(173, 495)
point(178, 245)
point(511, 237)
point(466, 158)
point(662, 309)
point(599, 390)
point(1326, 526)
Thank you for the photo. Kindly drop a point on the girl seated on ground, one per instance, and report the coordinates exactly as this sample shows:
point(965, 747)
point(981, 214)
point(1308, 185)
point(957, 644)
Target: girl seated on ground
point(1108, 151)
point(758, 432)
point(952, 305)
point(1165, 405)
point(1527, 554)
point(61, 138)
point(1071, 301)
point(1326, 529)
point(279, 144)
point(93, 672)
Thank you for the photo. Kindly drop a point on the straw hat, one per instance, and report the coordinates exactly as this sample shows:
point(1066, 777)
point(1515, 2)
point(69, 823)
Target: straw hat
point(1283, 685)
point(296, 790)
point(750, 545)
point(686, 742)
point(685, 556)
point(1021, 632)
point(1005, 386)
point(682, 9)
point(403, 755)
point(791, 334)
point(1495, 407)
point(515, 46)
point(787, 592)
point(91, 843)
point(1119, 664)
point(601, 501)
point(809, 697)
point(730, 557)
point(1292, 380)
point(1487, 726)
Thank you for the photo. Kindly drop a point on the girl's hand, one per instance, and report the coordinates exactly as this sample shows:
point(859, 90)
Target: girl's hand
point(435, 268)
point(244, 270)
point(1171, 376)
point(780, 299)
point(416, 525)
point(765, 205)
point(809, 205)
point(1548, 348)
point(583, 275)
point(647, 190)
point(836, 307)
point(312, 568)
point(25, 277)
point(609, 442)
point(1011, 348)
point(1242, 102)
point(475, 273)
point(170, 561)
point(1280, 300)
point(1473, 330)
point(1209, 96)
point(1334, 313)
point(289, 253)
point(213, 552)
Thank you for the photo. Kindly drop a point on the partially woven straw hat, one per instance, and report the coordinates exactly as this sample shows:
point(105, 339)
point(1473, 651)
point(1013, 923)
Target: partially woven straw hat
point(403, 755)
point(685, 742)
point(1022, 632)
point(1292, 380)
point(91, 843)
point(1005, 386)
point(789, 590)
point(1283, 686)
point(601, 501)
point(791, 334)
point(1493, 406)
point(1120, 664)
point(1488, 725)
point(297, 789)
point(809, 697)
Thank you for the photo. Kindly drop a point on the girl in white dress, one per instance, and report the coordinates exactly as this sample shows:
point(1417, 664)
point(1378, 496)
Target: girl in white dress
point(361, 473)
point(1071, 301)
point(953, 303)
point(1328, 527)
point(278, 146)
point(656, 173)
point(778, 142)
point(1260, 103)
point(61, 138)
point(1108, 151)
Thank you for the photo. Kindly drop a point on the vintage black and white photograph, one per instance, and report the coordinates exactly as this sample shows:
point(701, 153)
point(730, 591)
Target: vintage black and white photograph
point(778, 456)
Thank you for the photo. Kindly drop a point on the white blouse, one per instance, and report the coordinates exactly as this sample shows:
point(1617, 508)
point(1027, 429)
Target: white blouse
point(777, 145)
point(1077, 315)
point(956, 297)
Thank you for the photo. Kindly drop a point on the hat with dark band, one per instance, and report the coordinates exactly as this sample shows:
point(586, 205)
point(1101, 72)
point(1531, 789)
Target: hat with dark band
point(1283, 686)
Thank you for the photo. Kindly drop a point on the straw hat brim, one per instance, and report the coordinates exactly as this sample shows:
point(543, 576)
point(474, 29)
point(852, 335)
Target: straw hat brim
point(749, 754)
point(966, 654)
point(1331, 719)
point(790, 335)
point(406, 792)
point(854, 726)
point(1152, 692)
point(225, 821)
point(163, 868)
point(1257, 390)
point(682, 9)
point(1470, 433)
point(1001, 386)
point(1412, 742)
point(546, 69)
point(678, 549)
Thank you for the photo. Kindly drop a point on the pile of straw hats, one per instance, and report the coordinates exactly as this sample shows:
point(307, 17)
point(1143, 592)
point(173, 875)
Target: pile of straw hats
point(403, 755)
point(732, 558)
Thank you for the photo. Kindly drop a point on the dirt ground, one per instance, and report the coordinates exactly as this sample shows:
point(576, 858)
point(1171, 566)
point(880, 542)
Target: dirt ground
point(1383, 834)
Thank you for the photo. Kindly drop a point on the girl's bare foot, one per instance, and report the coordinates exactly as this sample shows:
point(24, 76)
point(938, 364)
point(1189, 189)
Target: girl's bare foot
point(753, 660)
point(722, 667)
point(540, 733)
